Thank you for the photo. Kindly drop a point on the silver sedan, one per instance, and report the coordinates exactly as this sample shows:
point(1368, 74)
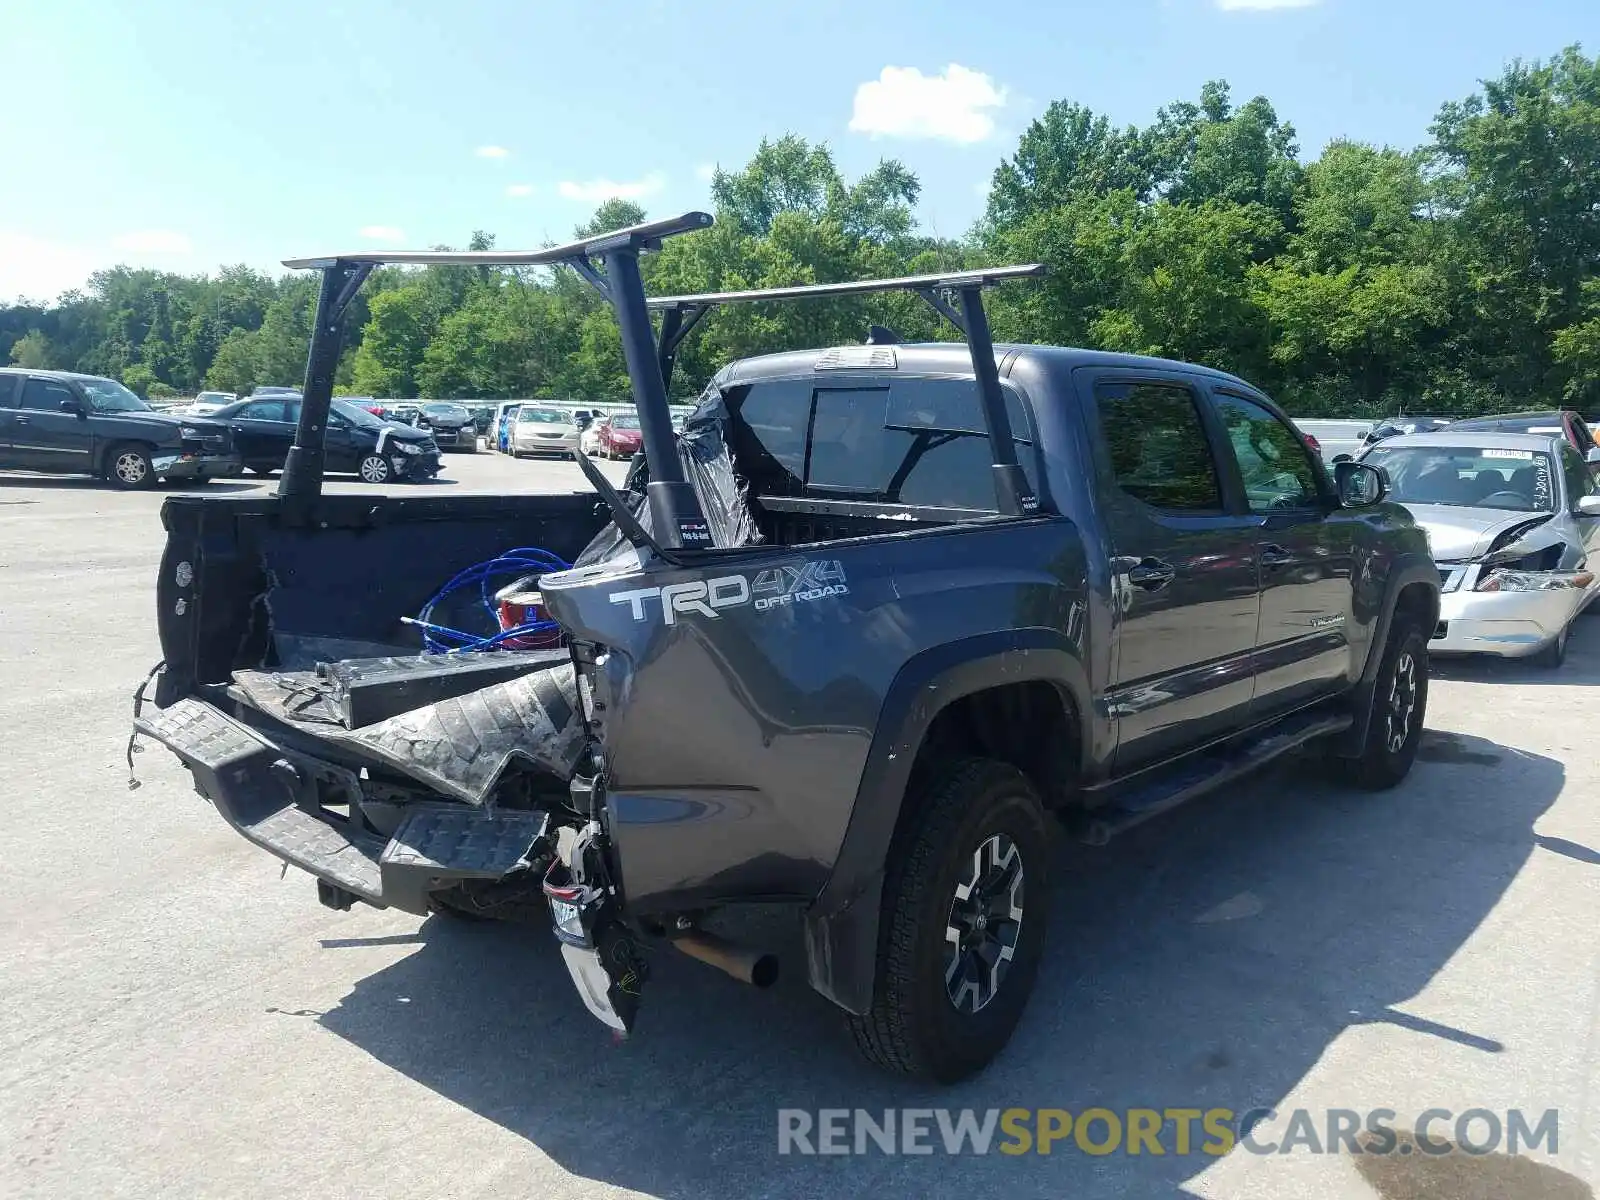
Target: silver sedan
point(1514, 522)
point(541, 430)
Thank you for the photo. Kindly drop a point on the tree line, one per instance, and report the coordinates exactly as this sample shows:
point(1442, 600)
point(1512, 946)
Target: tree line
point(1461, 276)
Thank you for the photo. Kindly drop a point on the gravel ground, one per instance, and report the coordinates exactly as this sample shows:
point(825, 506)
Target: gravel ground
point(179, 1020)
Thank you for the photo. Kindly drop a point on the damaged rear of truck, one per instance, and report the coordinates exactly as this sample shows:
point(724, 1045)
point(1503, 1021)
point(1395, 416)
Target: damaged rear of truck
point(745, 671)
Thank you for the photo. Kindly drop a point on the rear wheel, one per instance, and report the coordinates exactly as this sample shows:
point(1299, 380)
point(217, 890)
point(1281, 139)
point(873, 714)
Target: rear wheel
point(1399, 707)
point(965, 906)
point(129, 466)
point(375, 468)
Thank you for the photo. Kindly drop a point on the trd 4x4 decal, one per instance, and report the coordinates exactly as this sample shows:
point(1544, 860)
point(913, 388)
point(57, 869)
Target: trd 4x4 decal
point(774, 587)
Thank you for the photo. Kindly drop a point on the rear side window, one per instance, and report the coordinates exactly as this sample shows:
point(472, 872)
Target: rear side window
point(262, 410)
point(8, 389)
point(915, 441)
point(1156, 445)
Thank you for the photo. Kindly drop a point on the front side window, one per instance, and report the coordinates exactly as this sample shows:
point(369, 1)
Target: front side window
point(46, 395)
point(1273, 459)
point(1156, 446)
point(263, 410)
point(1579, 481)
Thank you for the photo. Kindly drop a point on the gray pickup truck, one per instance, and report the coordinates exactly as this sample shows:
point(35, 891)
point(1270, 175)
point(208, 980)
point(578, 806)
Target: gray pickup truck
point(860, 638)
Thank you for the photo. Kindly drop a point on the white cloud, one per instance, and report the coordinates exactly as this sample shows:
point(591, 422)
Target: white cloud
point(492, 152)
point(152, 241)
point(383, 233)
point(519, 189)
point(1264, 5)
point(953, 106)
point(705, 171)
point(40, 270)
point(593, 191)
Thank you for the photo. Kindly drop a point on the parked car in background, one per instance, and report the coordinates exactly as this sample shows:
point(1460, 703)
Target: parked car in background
point(620, 436)
point(208, 402)
point(273, 390)
point(1332, 438)
point(542, 429)
point(1513, 520)
point(451, 425)
point(1397, 426)
point(378, 451)
point(1564, 423)
point(582, 418)
point(589, 438)
point(504, 423)
point(405, 413)
point(484, 417)
point(69, 424)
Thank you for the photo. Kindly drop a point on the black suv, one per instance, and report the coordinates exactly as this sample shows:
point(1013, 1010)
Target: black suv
point(376, 450)
point(69, 424)
point(849, 641)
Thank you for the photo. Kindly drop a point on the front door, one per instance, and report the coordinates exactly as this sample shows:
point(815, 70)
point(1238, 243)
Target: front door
point(47, 437)
point(1183, 571)
point(262, 433)
point(1306, 550)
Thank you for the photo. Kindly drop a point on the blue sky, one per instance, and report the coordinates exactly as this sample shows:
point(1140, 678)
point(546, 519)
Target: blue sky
point(189, 133)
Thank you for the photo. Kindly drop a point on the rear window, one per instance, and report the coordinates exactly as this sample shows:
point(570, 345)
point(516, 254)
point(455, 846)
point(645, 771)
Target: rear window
point(913, 441)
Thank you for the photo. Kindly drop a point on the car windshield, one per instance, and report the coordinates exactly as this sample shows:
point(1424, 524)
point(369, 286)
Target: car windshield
point(356, 415)
point(445, 410)
point(542, 416)
point(628, 422)
point(1467, 476)
point(106, 395)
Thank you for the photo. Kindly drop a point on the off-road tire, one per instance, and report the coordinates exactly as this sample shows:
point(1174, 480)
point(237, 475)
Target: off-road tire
point(1381, 764)
point(128, 466)
point(1554, 654)
point(914, 1027)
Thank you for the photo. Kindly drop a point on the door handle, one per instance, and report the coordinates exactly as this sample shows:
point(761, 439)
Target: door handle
point(21, 420)
point(1151, 574)
point(1274, 556)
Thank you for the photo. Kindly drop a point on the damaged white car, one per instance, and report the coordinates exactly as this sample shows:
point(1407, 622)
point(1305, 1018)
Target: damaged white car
point(1514, 522)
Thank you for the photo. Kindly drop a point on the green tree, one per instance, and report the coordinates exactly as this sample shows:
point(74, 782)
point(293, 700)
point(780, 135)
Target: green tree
point(234, 367)
point(33, 350)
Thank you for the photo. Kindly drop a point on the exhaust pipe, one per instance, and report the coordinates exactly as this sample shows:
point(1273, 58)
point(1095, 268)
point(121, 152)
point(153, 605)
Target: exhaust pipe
point(746, 965)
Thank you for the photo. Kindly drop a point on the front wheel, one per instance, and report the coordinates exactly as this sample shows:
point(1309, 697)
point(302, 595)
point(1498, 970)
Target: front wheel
point(1399, 707)
point(375, 468)
point(1554, 654)
point(965, 905)
point(129, 466)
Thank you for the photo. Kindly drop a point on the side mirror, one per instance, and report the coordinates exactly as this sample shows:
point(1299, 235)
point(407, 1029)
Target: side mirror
point(1361, 485)
point(74, 405)
point(1588, 506)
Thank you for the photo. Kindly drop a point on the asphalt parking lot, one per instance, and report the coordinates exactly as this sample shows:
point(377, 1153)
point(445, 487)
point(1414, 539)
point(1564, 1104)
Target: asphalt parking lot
point(181, 1021)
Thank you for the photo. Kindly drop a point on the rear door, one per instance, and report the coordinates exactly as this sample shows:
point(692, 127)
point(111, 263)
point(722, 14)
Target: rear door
point(47, 437)
point(262, 433)
point(8, 416)
point(1305, 549)
point(1184, 568)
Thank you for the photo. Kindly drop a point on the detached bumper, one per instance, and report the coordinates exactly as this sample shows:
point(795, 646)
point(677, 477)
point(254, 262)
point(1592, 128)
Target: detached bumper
point(196, 466)
point(1509, 624)
point(275, 798)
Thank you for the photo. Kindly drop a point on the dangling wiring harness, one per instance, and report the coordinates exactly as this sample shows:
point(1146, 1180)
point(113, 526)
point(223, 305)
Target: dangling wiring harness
point(522, 562)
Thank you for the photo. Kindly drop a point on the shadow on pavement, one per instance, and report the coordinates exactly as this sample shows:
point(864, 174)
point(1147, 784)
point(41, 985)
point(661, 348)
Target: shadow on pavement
point(1204, 960)
point(88, 483)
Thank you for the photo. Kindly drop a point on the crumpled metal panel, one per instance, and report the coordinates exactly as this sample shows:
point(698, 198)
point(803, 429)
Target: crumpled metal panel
point(461, 746)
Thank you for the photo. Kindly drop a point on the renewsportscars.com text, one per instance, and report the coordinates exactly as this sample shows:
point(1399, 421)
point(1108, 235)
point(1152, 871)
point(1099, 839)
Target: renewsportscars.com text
point(1160, 1131)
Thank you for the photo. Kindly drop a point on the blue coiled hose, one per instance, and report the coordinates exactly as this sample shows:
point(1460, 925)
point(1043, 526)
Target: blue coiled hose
point(441, 639)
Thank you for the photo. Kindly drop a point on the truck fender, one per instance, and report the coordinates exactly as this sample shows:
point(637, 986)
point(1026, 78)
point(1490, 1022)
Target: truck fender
point(1407, 570)
point(841, 925)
